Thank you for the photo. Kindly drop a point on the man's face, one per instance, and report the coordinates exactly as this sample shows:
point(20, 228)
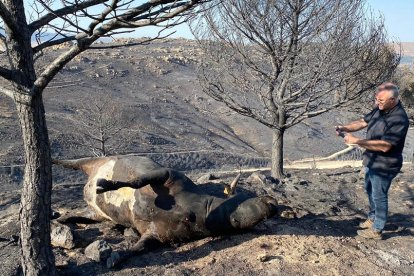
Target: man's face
point(385, 100)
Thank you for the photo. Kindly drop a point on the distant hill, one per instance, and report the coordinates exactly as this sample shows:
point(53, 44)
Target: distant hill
point(408, 48)
point(407, 52)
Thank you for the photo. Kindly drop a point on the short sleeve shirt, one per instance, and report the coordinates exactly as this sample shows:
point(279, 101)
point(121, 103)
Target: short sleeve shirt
point(392, 127)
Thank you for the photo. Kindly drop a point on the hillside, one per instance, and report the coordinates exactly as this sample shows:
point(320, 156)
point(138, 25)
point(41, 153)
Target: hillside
point(155, 89)
point(408, 48)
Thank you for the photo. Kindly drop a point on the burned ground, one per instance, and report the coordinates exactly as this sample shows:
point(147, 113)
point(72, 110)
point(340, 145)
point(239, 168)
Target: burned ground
point(314, 235)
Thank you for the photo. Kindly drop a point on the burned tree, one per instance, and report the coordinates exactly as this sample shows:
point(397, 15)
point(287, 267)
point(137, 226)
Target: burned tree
point(51, 23)
point(283, 61)
point(100, 126)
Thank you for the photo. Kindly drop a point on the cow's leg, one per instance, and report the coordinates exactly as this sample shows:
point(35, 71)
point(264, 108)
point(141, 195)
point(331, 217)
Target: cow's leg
point(153, 177)
point(85, 216)
point(104, 185)
point(145, 243)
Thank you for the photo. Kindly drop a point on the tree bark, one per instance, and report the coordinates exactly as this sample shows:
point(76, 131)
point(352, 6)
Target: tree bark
point(277, 154)
point(35, 208)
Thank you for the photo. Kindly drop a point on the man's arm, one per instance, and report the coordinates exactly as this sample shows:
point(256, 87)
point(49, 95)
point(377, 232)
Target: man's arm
point(374, 145)
point(352, 126)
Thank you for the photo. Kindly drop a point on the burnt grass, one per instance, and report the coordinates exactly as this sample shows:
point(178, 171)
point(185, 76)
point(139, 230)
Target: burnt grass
point(167, 118)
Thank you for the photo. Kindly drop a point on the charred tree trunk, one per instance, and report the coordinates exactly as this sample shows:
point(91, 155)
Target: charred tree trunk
point(277, 154)
point(35, 208)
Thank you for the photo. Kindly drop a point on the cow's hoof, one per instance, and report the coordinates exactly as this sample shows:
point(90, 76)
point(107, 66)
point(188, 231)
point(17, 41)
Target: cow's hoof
point(113, 260)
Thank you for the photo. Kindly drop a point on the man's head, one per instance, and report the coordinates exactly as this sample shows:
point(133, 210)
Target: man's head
point(386, 96)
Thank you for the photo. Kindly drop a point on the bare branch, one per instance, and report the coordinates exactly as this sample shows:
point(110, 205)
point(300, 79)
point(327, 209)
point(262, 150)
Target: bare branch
point(152, 13)
point(44, 20)
point(50, 43)
point(65, 19)
point(103, 15)
point(53, 68)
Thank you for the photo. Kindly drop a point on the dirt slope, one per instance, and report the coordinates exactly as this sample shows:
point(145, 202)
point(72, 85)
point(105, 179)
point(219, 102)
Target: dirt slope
point(155, 87)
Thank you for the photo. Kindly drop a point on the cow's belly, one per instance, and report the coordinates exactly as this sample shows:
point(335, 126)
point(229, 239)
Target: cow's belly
point(116, 205)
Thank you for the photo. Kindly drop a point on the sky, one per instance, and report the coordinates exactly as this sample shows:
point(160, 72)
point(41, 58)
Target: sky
point(398, 16)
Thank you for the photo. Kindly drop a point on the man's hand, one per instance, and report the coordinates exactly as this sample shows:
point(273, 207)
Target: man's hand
point(351, 127)
point(351, 139)
point(340, 131)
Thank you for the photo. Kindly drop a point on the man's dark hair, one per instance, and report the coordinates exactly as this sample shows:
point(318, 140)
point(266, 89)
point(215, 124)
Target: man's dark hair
point(389, 86)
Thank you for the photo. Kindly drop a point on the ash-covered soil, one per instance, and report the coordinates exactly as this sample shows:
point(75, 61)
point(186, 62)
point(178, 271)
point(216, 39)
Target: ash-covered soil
point(315, 234)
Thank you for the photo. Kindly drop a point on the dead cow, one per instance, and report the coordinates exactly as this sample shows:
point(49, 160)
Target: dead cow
point(162, 204)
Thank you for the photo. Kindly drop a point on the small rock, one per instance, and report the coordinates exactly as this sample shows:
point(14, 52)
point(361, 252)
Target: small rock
point(61, 263)
point(61, 236)
point(263, 257)
point(290, 187)
point(130, 232)
point(325, 251)
point(212, 261)
point(362, 246)
point(206, 178)
point(352, 179)
point(300, 213)
point(288, 214)
point(361, 173)
point(408, 204)
point(294, 180)
point(169, 265)
point(257, 177)
point(98, 250)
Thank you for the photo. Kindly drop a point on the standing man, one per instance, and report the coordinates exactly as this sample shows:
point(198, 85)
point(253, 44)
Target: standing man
point(387, 125)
